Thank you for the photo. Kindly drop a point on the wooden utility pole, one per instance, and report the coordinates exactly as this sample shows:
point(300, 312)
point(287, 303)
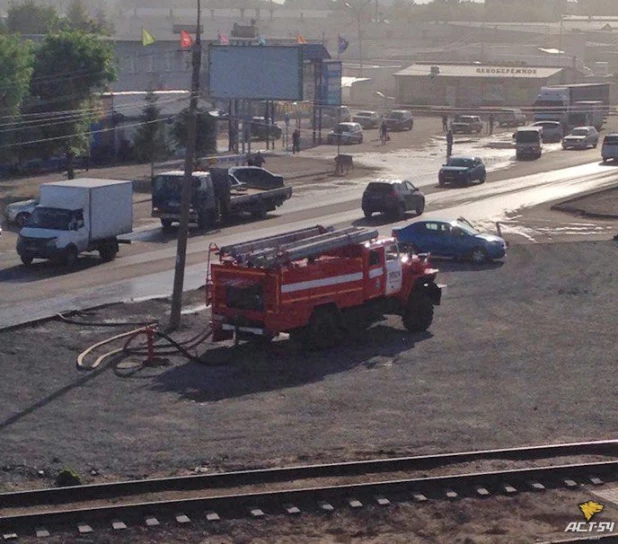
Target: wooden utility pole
point(185, 199)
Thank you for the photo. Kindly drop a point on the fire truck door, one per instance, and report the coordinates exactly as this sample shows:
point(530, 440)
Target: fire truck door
point(393, 270)
point(375, 285)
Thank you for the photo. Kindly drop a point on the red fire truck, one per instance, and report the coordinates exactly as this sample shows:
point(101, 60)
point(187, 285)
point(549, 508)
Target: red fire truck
point(316, 284)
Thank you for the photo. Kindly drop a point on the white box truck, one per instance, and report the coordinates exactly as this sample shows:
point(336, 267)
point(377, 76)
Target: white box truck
point(76, 216)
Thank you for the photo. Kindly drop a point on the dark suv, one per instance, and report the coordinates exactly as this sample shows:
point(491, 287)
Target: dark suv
point(392, 197)
point(260, 129)
point(399, 120)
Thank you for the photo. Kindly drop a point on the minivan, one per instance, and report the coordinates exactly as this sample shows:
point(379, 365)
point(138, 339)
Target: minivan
point(609, 149)
point(528, 142)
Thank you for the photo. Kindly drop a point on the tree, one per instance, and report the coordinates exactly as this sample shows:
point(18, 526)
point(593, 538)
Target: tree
point(206, 140)
point(69, 67)
point(149, 141)
point(30, 18)
point(16, 65)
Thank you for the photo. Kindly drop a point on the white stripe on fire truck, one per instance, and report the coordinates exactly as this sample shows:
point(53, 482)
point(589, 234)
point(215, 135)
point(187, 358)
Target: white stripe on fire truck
point(335, 280)
point(376, 273)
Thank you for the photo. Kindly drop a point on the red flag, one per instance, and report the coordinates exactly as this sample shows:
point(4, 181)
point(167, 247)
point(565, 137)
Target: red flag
point(186, 40)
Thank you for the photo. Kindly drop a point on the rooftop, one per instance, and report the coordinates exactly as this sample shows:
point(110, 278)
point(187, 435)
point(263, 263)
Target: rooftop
point(478, 70)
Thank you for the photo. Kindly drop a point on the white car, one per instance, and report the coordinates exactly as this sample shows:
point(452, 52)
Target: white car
point(346, 133)
point(552, 130)
point(581, 138)
point(18, 212)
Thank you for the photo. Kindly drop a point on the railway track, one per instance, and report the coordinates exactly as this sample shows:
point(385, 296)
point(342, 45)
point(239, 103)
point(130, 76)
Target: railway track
point(291, 490)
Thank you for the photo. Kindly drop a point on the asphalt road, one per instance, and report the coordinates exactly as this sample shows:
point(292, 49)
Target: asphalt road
point(144, 268)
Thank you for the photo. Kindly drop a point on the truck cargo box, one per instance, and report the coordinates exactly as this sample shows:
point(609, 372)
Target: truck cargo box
point(107, 204)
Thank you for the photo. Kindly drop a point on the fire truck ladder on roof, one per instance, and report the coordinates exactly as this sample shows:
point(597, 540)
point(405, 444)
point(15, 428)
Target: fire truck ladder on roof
point(241, 250)
point(310, 247)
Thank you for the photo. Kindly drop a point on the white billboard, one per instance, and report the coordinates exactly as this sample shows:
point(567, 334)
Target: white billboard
point(255, 72)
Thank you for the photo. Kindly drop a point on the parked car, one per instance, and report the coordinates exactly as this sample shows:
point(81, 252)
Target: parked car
point(18, 212)
point(346, 133)
point(367, 119)
point(609, 149)
point(455, 239)
point(462, 170)
point(467, 124)
point(552, 130)
point(260, 129)
point(392, 197)
point(581, 138)
point(399, 120)
point(510, 117)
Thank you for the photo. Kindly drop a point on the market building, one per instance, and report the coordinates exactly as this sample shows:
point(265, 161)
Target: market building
point(466, 85)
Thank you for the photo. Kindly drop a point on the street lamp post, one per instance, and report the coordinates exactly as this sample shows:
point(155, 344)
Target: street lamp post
point(359, 12)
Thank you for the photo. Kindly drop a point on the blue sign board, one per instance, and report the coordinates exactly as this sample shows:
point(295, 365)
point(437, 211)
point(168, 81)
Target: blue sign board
point(330, 93)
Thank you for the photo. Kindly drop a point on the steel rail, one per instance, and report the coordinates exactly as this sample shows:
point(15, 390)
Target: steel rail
point(302, 472)
point(480, 484)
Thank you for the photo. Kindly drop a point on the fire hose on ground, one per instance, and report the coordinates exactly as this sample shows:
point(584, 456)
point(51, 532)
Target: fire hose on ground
point(151, 349)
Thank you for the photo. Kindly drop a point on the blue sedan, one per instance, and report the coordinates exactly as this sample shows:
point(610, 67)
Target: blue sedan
point(462, 170)
point(456, 239)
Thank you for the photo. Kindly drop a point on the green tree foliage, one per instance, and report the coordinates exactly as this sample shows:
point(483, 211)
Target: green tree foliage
point(78, 18)
point(16, 65)
point(28, 17)
point(206, 140)
point(149, 141)
point(70, 66)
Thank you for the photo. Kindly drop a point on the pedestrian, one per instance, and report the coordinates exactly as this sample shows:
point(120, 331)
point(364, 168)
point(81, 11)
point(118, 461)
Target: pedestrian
point(384, 132)
point(296, 141)
point(233, 139)
point(449, 144)
point(491, 123)
point(258, 159)
point(444, 122)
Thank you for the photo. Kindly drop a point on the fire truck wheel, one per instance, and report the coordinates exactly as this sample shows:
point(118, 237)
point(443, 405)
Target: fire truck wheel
point(418, 315)
point(323, 330)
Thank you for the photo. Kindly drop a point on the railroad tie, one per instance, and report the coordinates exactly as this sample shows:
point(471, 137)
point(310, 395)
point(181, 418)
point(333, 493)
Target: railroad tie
point(256, 512)
point(382, 501)
point(9, 536)
point(152, 522)
point(326, 506)
point(537, 486)
point(509, 489)
point(355, 503)
point(42, 532)
point(292, 510)
point(570, 483)
point(451, 494)
point(84, 528)
point(212, 516)
point(419, 497)
point(595, 480)
point(482, 492)
point(118, 525)
point(182, 518)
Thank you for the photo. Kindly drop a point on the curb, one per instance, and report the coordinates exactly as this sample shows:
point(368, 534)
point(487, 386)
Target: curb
point(567, 205)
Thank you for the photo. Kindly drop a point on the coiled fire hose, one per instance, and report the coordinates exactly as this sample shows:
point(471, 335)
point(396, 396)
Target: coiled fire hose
point(169, 347)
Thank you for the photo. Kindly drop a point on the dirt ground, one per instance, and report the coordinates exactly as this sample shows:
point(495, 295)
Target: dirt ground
point(500, 367)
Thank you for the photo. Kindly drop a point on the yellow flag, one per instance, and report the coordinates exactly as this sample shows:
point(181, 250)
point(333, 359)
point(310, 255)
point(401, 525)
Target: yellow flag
point(147, 37)
point(300, 39)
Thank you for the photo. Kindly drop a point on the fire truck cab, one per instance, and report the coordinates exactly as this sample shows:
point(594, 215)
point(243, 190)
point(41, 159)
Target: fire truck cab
point(317, 284)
